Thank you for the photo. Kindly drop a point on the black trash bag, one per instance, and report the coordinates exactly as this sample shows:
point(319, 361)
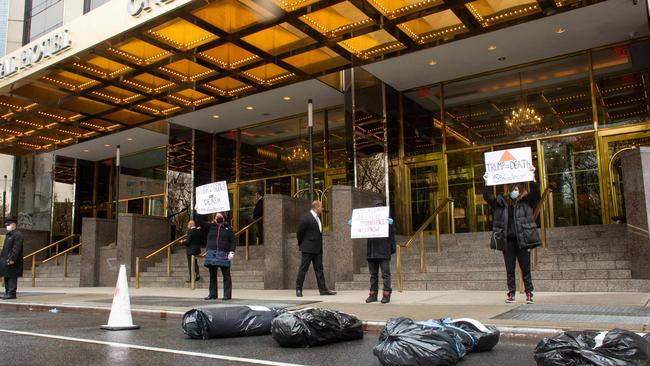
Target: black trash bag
point(618, 348)
point(406, 342)
point(484, 337)
point(216, 321)
point(647, 337)
point(315, 327)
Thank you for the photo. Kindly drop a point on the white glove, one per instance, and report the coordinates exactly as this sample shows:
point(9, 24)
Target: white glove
point(231, 255)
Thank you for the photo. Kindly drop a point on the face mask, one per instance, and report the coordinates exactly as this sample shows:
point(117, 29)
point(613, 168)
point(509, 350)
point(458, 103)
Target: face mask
point(514, 195)
point(219, 220)
point(9, 228)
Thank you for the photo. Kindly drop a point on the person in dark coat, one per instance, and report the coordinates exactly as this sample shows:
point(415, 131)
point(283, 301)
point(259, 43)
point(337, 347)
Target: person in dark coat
point(379, 251)
point(11, 259)
point(310, 242)
point(514, 231)
point(258, 212)
point(195, 241)
point(222, 239)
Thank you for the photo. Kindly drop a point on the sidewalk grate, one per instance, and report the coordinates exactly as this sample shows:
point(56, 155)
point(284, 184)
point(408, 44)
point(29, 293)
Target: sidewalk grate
point(194, 302)
point(579, 314)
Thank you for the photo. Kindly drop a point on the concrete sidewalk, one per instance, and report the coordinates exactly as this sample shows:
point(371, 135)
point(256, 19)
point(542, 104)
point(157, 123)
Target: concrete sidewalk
point(551, 311)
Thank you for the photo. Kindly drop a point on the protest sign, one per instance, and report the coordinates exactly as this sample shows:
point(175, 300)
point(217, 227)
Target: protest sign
point(211, 198)
point(369, 222)
point(508, 166)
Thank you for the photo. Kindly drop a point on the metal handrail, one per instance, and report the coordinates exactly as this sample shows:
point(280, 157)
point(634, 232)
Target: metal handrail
point(56, 256)
point(419, 234)
point(56, 245)
point(167, 247)
point(247, 229)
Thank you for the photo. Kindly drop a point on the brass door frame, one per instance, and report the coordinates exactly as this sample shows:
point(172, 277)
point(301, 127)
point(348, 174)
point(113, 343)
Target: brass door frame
point(605, 138)
point(428, 160)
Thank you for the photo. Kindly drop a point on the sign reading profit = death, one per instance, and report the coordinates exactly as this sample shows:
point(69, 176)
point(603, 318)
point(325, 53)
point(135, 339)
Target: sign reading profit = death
point(508, 166)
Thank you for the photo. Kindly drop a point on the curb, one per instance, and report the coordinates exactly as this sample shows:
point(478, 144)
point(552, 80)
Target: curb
point(370, 327)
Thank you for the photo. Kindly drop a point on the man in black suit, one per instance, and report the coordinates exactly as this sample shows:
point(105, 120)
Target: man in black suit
point(310, 241)
point(195, 241)
point(258, 212)
point(11, 259)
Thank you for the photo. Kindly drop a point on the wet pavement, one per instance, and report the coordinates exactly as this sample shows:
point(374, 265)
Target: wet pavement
point(75, 339)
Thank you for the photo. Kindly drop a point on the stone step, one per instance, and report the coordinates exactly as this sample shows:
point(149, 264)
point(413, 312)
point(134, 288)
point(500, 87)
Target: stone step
point(235, 278)
point(202, 285)
point(501, 275)
point(612, 285)
point(203, 271)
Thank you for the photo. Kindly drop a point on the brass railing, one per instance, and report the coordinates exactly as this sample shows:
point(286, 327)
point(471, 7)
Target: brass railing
point(419, 234)
point(245, 229)
point(56, 256)
point(168, 248)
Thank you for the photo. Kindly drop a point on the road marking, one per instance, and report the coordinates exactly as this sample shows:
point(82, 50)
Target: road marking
point(153, 349)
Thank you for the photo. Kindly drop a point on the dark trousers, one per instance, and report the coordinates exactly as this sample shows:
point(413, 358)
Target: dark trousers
point(260, 232)
point(196, 266)
point(11, 285)
point(514, 254)
point(373, 266)
point(227, 282)
point(317, 260)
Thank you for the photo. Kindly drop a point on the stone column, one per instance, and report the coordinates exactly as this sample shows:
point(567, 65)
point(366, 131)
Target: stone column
point(95, 233)
point(281, 214)
point(139, 236)
point(636, 191)
point(347, 256)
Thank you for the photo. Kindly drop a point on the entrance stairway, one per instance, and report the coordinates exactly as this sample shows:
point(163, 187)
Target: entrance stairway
point(246, 274)
point(583, 258)
point(51, 275)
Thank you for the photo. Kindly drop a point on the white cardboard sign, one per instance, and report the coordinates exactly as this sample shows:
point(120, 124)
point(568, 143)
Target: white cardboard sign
point(211, 198)
point(508, 166)
point(369, 222)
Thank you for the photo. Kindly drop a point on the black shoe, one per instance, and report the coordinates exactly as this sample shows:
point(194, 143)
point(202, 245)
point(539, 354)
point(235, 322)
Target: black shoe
point(372, 297)
point(298, 293)
point(386, 297)
point(327, 292)
point(226, 298)
point(210, 298)
point(8, 297)
point(197, 279)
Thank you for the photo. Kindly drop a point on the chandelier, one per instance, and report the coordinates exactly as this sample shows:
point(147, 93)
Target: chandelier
point(523, 116)
point(298, 152)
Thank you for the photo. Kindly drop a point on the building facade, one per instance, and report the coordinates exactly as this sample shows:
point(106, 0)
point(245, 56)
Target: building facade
point(408, 97)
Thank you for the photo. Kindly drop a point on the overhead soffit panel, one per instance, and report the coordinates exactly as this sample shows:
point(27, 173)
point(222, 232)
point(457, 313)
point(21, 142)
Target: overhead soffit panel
point(520, 44)
point(183, 56)
point(95, 150)
point(267, 106)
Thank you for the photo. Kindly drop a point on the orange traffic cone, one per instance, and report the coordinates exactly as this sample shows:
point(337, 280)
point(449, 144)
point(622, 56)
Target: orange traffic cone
point(120, 318)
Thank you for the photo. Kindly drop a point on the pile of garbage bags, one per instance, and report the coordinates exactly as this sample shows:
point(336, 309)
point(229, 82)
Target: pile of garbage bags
point(617, 347)
point(315, 327)
point(232, 321)
point(404, 341)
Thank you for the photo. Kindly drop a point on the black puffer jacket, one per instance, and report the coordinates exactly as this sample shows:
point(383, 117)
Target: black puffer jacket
point(525, 227)
point(220, 236)
point(12, 251)
point(382, 248)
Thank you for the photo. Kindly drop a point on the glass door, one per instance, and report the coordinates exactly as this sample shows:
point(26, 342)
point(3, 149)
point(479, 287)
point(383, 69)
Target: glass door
point(612, 147)
point(425, 192)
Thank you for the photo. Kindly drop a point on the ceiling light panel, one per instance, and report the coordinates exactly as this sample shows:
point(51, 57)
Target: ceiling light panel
point(139, 52)
point(371, 45)
point(279, 39)
point(229, 56)
point(337, 19)
point(396, 8)
point(490, 12)
point(442, 25)
point(317, 60)
point(181, 34)
point(234, 15)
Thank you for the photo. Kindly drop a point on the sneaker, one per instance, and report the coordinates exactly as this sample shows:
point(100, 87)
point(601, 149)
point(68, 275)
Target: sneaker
point(386, 297)
point(529, 298)
point(372, 297)
point(510, 298)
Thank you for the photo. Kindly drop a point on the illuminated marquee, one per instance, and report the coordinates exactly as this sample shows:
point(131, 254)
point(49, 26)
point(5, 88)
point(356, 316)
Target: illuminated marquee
point(35, 52)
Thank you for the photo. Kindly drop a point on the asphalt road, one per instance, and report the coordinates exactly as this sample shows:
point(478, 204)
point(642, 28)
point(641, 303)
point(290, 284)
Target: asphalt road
point(43, 338)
